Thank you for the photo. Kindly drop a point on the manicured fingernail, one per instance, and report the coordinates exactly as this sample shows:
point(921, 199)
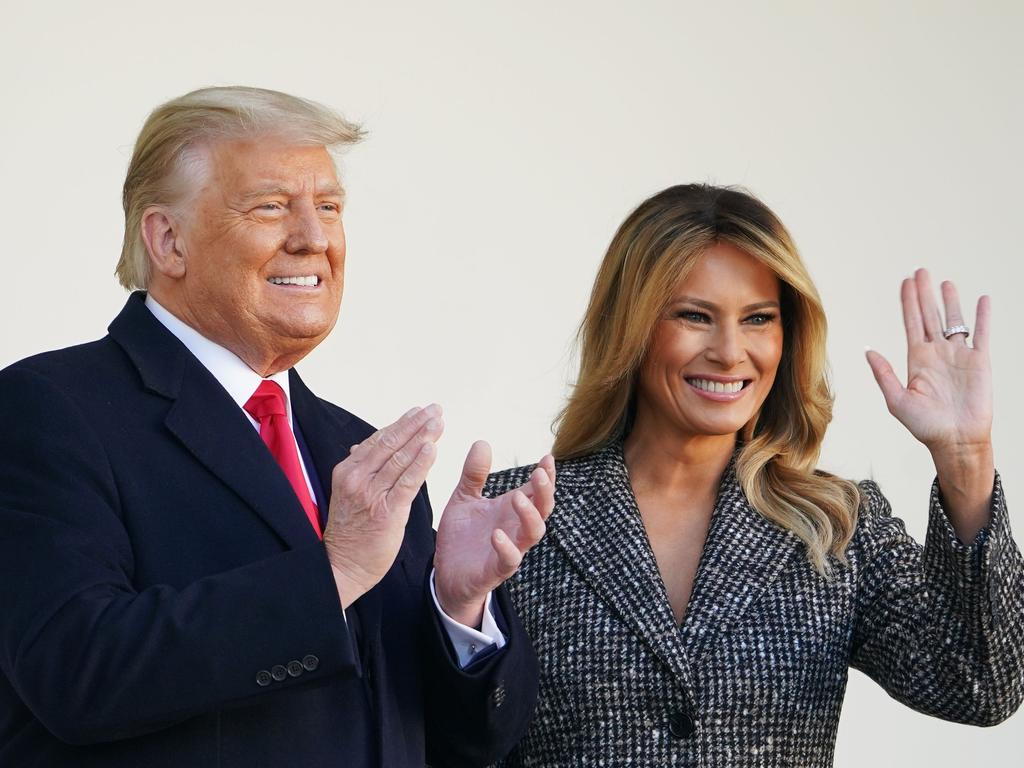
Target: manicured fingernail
point(500, 536)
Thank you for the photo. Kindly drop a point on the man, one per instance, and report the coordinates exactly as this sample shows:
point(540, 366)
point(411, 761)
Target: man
point(165, 593)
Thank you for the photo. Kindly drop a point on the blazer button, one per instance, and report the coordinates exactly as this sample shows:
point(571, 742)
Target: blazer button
point(278, 672)
point(310, 662)
point(263, 678)
point(295, 668)
point(498, 695)
point(681, 725)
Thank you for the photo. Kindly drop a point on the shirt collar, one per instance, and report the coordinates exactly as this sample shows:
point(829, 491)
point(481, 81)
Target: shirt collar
point(234, 375)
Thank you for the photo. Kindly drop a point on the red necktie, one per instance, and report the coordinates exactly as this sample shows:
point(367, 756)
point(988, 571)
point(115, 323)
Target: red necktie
point(267, 406)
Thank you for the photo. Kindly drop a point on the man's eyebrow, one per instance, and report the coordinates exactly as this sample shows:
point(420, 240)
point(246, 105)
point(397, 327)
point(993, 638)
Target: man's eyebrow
point(277, 190)
point(712, 306)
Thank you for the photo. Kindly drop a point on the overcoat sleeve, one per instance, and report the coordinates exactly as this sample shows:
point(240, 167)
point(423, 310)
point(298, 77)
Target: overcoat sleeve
point(940, 627)
point(96, 659)
point(476, 715)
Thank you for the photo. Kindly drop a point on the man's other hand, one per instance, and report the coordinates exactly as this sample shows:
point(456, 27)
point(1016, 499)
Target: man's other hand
point(480, 541)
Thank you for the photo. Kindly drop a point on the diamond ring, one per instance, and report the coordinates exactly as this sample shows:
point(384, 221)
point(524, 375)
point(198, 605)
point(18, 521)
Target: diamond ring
point(953, 330)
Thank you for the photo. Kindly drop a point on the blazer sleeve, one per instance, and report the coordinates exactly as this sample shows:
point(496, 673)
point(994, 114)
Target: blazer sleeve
point(91, 656)
point(940, 627)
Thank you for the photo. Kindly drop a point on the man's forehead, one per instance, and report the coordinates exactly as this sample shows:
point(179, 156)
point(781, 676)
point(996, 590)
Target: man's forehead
point(271, 164)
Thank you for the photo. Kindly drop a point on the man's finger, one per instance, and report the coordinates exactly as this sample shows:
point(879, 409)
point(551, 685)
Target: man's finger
point(509, 556)
point(475, 470)
point(547, 463)
point(531, 521)
point(408, 484)
point(542, 491)
point(378, 447)
point(402, 458)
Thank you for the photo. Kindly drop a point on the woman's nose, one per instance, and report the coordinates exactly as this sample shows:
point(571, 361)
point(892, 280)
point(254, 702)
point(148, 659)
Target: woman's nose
point(726, 348)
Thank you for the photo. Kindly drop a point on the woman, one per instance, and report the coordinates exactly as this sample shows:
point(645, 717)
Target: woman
point(702, 588)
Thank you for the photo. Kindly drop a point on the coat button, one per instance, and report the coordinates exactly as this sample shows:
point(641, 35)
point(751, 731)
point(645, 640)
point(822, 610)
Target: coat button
point(295, 668)
point(498, 696)
point(681, 725)
point(310, 662)
point(263, 678)
point(278, 672)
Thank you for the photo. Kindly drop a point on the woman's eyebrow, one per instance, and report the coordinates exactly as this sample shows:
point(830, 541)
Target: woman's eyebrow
point(712, 306)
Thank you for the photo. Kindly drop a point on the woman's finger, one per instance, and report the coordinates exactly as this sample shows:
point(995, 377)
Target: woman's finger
point(930, 318)
point(982, 318)
point(888, 381)
point(951, 301)
point(911, 312)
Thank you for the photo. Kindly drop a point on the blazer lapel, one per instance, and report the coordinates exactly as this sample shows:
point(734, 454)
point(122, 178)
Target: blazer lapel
point(209, 423)
point(600, 530)
point(743, 555)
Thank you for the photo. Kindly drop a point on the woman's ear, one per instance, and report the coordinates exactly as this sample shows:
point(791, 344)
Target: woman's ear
point(163, 242)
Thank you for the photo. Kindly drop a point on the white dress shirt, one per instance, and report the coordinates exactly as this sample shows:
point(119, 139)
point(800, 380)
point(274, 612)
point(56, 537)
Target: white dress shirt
point(240, 382)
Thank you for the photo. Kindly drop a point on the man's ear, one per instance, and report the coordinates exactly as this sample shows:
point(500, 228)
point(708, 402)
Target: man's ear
point(163, 242)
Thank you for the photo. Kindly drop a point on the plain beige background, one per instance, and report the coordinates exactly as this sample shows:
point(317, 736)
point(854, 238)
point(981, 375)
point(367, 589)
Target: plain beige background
point(507, 144)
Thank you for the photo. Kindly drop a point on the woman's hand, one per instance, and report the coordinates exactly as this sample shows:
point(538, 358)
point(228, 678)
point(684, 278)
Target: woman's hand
point(947, 403)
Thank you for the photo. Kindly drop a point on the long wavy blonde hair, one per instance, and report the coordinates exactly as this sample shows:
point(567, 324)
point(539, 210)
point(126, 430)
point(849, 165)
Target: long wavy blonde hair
point(655, 248)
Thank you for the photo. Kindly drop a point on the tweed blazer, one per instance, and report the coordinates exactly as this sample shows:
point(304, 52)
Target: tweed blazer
point(755, 675)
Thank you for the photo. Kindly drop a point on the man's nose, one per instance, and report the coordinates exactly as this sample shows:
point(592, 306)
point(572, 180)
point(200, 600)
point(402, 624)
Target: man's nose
point(306, 233)
point(726, 347)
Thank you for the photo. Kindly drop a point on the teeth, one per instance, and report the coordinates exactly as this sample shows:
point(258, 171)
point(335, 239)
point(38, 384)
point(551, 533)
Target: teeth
point(309, 281)
point(717, 386)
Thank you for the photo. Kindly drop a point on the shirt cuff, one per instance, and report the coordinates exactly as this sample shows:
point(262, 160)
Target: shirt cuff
point(468, 642)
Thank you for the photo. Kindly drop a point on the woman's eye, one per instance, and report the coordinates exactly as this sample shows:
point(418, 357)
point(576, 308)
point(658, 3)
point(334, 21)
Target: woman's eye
point(692, 316)
point(761, 318)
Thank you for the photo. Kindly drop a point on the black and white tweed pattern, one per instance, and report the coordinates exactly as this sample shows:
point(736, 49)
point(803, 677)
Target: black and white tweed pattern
point(760, 662)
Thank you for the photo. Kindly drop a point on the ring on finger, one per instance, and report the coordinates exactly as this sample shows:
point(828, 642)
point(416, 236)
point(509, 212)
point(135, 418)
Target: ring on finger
point(953, 330)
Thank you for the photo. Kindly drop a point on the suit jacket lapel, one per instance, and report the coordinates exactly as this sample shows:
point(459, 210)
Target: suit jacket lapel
point(209, 423)
point(743, 555)
point(329, 435)
point(599, 529)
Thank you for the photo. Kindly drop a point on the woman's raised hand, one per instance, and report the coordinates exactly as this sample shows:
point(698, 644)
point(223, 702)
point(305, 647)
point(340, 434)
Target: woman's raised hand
point(947, 402)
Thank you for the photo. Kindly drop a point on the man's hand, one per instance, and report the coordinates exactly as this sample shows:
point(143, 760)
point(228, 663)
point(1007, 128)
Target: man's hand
point(480, 542)
point(371, 494)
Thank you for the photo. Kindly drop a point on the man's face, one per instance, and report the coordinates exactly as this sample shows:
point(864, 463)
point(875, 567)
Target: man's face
point(264, 250)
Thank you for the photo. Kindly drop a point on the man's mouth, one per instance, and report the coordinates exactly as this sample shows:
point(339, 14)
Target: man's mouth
point(308, 281)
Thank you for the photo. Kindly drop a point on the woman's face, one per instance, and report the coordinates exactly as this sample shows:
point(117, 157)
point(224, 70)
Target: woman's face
point(715, 352)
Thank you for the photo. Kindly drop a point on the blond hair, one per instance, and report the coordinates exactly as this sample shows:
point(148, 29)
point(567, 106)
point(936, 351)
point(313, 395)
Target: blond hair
point(656, 247)
point(166, 150)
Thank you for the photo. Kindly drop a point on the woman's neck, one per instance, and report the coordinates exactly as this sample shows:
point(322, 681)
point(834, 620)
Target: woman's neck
point(661, 462)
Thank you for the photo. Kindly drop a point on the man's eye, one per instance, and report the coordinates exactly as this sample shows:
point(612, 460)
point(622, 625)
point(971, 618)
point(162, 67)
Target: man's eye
point(270, 207)
point(332, 207)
